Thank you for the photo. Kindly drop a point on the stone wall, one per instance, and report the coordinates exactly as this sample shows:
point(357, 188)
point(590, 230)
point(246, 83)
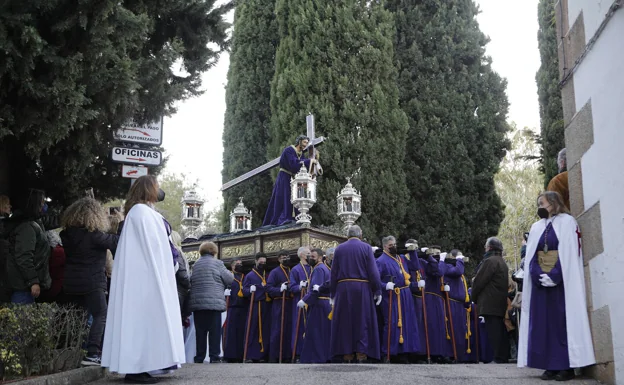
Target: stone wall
point(591, 58)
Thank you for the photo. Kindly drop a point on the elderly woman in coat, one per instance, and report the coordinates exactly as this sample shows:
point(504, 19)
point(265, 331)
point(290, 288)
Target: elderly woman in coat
point(554, 328)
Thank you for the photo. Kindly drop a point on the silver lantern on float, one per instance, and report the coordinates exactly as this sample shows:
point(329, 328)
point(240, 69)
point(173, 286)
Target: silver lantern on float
point(240, 218)
point(303, 194)
point(349, 205)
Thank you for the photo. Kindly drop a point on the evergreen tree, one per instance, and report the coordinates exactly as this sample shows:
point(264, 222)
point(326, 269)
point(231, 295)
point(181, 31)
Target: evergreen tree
point(456, 108)
point(335, 60)
point(551, 136)
point(72, 72)
point(248, 111)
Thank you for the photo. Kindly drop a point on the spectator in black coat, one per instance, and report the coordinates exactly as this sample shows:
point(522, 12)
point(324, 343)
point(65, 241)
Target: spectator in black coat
point(86, 241)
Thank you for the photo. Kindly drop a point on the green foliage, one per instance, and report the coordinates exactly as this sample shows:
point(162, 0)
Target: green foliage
point(248, 112)
point(335, 60)
point(72, 72)
point(518, 183)
point(552, 137)
point(36, 338)
point(456, 108)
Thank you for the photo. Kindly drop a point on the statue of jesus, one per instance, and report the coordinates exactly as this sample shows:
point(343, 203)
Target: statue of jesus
point(280, 210)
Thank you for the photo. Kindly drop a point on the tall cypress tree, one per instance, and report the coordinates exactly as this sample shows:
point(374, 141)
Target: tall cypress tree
point(335, 61)
point(456, 107)
point(248, 111)
point(551, 112)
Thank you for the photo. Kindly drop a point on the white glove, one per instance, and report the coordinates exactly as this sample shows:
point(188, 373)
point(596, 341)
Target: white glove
point(411, 246)
point(227, 292)
point(377, 299)
point(301, 304)
point(284, 287)
point(331, 301)
point(316, 288)
point(421, 283)
point(546, 281)
point(303, 284)
point(442, 257)
point(481, 319)
point(390, 286)
point(424, 249)
point(447, 288)
point(252, 288)
point(460, 257)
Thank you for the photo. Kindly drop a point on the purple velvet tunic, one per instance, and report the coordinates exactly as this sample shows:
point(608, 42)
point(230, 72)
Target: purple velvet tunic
point(354, 282)
point(418, 272)
point(315, 348)
point(299, 273)
point(437, 326)
point(260, 326)
point(455, 278)
point(280, 209)
point(278, 276)
point(389, 268)
point(234, 336)
point(548, 339)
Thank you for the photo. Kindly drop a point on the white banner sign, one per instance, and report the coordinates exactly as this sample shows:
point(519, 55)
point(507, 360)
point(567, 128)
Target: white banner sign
point(133, 172)
point(150, 133)
point(136, 156)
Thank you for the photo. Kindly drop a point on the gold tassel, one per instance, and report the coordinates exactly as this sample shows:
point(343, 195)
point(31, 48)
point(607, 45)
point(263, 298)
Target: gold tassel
point(331, 314)
point(401, 339)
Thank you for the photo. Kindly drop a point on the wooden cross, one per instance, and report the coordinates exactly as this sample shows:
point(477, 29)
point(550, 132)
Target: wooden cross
point(314, 141)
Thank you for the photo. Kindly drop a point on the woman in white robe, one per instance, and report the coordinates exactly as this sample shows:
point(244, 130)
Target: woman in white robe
point(143, 326)
point(554, 327)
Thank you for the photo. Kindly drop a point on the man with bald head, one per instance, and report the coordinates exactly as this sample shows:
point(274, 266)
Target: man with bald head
point(355, 288)
point(299, 280)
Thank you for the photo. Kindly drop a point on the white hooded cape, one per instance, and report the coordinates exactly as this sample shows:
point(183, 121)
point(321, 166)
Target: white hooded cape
point(143, 324)
point(580, 346)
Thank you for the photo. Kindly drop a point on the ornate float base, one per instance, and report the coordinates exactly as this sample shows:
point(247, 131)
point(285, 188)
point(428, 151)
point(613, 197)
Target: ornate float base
point(245, 245)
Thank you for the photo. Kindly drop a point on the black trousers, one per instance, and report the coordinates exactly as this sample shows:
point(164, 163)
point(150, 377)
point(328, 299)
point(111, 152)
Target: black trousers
point(498, 337)
point(95, 303)
point(207, 324)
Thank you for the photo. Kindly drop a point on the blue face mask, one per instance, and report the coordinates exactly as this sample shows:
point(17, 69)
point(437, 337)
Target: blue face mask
point(44, 209)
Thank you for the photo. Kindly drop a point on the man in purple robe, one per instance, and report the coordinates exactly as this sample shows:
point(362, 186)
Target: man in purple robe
point(459, 303)
point(437, 325)
point(299, 281)
point(316, 343)
point(259, 328)
point(417, 288)
point(234, 328)
point(401, 323)
point(277, 287)
point(280, 209)
point(355, 289)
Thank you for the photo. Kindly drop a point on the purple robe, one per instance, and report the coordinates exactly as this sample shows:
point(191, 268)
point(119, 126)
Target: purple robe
point(437, 326)
point(454, 276)
point(278, 276)
point(315, 348)
point(299, 273)
point(260, 327)
point(417, 272)
point(354, 282)
point(548, 337)
point(389, 268)
point(234, 335)
point(280, 209)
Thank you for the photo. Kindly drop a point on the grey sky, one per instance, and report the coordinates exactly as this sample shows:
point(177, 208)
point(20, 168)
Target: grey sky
point(192, 137)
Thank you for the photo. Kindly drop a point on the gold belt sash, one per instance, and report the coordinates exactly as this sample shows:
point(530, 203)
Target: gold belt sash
point(286, 171)
point(547, 260)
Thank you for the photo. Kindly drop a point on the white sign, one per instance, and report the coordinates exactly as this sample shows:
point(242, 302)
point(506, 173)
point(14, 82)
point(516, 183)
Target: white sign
point(133, 172)
point(150, 133)
point(136, 156)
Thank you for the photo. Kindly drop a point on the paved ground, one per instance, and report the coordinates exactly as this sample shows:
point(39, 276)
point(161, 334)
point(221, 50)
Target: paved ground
point(335, 374)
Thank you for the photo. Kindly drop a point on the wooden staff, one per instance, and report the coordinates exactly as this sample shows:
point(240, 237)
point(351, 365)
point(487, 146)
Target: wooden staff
point(227, 318)
point(424, 305)
point(253, 294)
point(448, 306)
point(294, 352)
point(282, 326)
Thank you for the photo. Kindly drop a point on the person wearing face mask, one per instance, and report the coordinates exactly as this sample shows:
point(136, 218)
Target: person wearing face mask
point(277, 287)
point(489, 292)
point(299, 282)
point(315, 348)
point(258, 344)
point(554, 327)
point(143, 326)
point(234, 331)
point(459, 303)
point(401, 322)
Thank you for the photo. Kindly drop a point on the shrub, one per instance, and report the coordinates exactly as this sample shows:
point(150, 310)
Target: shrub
point(40, 339)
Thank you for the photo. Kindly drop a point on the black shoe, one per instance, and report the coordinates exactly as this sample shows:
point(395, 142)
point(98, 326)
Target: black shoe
point(216, 360)
point(565, 375)
point(92, 360)
point(141, 378)
point(549, 375)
